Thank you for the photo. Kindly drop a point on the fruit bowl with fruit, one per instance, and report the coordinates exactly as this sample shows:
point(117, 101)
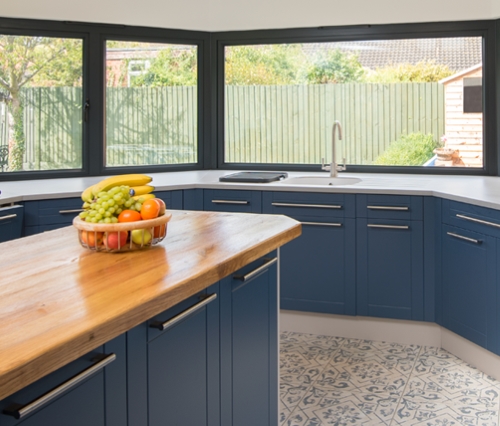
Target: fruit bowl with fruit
point(121, 214)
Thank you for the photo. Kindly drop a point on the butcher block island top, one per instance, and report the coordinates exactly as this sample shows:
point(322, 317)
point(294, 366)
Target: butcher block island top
point(59, 301)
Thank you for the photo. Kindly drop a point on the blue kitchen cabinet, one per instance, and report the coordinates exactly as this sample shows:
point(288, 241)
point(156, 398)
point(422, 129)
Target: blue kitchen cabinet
point(390, 267)
point(88, 391)
point(193, 199)
point(45, 215)
point(468, 274)
point(249, 345)
point(228, 200)
point(173, 199)
point(11, 222)
point(173, 365)
point(318, 269)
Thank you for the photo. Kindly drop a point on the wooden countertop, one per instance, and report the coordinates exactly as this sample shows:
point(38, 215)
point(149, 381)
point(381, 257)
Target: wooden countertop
point(59, 301)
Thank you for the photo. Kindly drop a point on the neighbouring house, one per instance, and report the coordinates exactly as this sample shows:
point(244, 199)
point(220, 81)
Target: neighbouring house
point(464, 116)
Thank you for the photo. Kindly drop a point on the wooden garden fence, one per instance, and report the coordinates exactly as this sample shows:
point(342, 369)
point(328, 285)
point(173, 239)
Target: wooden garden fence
point(265, 124)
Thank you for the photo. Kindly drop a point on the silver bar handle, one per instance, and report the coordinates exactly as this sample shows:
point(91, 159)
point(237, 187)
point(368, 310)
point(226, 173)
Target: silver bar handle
point(21, 411)
point(461, 237)
point(373, 225)
point(319, 206)
point(179, 317)
point(399, 208)
point(322, 224)
point(267, 263)
point(482, 222)
point(9, 216)
point(70, 211)
point(230, 202)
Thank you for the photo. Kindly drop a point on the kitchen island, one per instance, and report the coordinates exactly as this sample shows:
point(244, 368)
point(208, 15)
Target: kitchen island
point(59, 301)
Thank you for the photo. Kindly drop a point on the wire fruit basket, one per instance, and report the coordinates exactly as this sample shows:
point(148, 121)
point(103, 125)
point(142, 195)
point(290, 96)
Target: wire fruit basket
point(121, 237)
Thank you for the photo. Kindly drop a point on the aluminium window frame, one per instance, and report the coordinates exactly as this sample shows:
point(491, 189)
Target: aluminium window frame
point(94, 38)
point(487, 29)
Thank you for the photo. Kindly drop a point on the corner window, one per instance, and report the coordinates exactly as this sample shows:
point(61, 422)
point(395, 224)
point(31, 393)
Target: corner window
point(41, 103)
point(151, 104)
point(400, 102)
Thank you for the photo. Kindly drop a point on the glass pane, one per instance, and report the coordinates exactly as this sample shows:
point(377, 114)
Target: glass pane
point(151, 104)
point(408, 102)
point(40, 103)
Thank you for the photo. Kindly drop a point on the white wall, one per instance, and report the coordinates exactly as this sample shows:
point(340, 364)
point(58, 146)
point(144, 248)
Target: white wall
point(222, 15)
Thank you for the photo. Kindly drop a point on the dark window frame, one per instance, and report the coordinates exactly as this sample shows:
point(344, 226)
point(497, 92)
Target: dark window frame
point(94, 71)
point(485, 29)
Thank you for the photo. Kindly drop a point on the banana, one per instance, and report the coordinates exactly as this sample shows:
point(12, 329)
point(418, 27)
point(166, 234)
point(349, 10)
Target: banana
point(143, 197)
point(87, 195)
point(128, 180)
point(141, 190)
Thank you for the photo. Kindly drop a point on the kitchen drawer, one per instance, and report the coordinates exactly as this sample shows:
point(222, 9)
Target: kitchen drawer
point(308, 206)
point(401, 207)
point(472, 218)
point(11, 222)
point(51, 212)
point(227, 200)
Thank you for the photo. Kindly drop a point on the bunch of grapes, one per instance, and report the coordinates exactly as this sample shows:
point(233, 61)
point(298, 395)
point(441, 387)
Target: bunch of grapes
point(107, 205)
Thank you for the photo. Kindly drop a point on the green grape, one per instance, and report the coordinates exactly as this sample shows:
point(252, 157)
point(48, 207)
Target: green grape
point(111, 202)
point(93, 220)
point(107, 220)
point(118, 211)
point(117, 197)
point(98, 216)
point(105, 197)
point(111, 209)
point(114, 220)
point(86, 205)
point(129, 203)
point(138, 206)
point(83, 215)
point(101, 211)
point(92, 213)
point(100, 194)
point(108, 214)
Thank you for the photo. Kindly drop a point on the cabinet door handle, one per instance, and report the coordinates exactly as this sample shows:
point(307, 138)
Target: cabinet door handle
point(20, 411)
point(267, 263)
point(179, 317)
point(482, 222)
point(70, 211)
point(322, 224)
point(230, 202)
point(9, 216)
point(374, 225)
point(461, 237)
point(317, 206)
point(388, 208)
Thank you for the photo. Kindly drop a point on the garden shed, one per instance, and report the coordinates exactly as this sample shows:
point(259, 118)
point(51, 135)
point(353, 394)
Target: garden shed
point(464, 115)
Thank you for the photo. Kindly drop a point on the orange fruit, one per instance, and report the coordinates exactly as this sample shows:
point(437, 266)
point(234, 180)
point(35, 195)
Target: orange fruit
point(150, 209)
point(159, 231)
point(129, 216)
point(92, 239)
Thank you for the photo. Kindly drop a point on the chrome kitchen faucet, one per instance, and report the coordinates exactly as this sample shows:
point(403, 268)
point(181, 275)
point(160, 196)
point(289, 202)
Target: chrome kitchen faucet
point(334, 168)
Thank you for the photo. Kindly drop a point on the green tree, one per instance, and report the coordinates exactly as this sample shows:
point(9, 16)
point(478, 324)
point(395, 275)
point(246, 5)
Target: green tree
point(422, 72)
point(172, 67)
point(333, 66)
point(273, 64)
point(28, 60)
point(414, 149)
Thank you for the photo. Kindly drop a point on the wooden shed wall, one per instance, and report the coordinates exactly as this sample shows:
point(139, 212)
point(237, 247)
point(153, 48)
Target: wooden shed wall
point(463, 131)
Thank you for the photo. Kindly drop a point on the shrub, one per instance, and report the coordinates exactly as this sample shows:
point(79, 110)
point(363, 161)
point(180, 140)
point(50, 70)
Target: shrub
point(422, 72)
point(409, 150)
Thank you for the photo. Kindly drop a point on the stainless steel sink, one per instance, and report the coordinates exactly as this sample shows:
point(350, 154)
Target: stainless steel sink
point(321, 181)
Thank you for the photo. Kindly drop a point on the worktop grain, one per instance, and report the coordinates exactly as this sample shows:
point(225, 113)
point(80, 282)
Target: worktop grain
point(58, 301)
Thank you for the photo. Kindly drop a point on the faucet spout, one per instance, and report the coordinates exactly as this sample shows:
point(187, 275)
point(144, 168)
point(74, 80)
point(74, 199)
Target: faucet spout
point(334, 168)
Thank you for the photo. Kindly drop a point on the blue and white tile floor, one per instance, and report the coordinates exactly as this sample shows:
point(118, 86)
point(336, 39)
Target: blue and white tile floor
point(336, 381)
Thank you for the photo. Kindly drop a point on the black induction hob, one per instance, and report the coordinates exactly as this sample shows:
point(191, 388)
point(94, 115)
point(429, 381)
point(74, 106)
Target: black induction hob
point(254, 177)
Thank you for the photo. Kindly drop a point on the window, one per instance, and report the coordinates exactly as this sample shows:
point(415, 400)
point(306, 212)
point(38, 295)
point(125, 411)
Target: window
point(151, 104)
point(401, 102)
point(41, 103)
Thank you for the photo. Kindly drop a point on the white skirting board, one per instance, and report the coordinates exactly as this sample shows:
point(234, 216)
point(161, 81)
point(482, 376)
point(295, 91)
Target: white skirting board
point(388, 330)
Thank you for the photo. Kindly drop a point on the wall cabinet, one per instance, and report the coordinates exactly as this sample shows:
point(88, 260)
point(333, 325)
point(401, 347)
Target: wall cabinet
point(389, 245)
point(469, 275)
point(318, 269)
point(11, 222)
point(97, 398)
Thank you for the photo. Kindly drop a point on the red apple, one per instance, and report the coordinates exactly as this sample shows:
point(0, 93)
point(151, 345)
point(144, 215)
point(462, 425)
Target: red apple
point(115, 240)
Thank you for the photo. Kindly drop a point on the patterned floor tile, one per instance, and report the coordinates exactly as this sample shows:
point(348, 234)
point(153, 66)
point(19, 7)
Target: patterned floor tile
point(327, 406)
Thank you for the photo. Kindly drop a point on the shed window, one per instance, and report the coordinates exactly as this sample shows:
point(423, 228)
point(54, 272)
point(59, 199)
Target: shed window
point(473, 95)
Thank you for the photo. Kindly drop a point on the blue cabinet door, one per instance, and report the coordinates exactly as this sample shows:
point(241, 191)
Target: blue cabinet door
point(469, 285)
point(318, 269)
point(249, 346)
point(11, 223)
point(228, 200)
point(173, 199)
point(390, 268)
point(174, 373)
point(98, 399)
